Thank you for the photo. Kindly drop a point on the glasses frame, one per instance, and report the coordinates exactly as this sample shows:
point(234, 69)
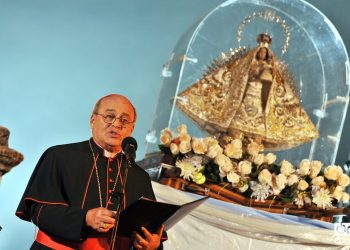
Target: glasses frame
point(124, 124)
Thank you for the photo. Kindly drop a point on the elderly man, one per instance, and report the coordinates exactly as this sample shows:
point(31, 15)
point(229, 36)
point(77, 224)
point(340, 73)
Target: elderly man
point(71, 194)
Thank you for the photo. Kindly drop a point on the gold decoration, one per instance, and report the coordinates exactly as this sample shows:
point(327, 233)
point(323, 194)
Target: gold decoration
point(268, 16)
point(250, 92)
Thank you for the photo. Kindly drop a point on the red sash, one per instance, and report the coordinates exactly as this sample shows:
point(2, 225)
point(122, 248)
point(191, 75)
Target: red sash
point(96, 242)
point(54, 243)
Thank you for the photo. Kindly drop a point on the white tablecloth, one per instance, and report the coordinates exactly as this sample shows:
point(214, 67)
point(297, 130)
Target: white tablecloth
point(221, 225)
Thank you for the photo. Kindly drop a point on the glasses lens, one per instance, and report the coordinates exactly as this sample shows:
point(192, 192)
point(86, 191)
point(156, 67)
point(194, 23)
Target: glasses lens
point(124, 121)
point(109, 118)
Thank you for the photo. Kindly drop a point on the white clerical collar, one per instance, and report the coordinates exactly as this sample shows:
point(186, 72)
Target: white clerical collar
point(106, 153)
point(109, 154)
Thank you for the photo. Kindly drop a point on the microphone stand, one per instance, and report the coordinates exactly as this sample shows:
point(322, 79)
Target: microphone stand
point(120, 195)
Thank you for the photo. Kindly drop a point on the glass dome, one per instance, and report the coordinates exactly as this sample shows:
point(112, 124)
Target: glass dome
point(316, 57)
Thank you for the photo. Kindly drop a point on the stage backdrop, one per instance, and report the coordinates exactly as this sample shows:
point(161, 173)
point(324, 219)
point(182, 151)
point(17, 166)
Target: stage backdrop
point(58, 57)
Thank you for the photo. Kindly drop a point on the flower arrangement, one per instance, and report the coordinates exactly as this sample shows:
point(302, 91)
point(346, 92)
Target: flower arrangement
point(239, 163)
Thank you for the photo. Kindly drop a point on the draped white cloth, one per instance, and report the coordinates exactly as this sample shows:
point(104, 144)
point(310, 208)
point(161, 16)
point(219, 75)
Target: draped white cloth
point(221, 225)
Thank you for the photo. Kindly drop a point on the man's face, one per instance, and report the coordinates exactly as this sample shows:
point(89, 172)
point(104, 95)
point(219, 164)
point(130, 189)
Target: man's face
point(110, 135)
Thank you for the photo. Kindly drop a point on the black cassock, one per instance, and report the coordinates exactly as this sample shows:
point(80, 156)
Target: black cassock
point(65, 185)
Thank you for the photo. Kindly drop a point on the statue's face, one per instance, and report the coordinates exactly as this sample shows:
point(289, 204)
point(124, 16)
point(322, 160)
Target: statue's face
point(262, 53)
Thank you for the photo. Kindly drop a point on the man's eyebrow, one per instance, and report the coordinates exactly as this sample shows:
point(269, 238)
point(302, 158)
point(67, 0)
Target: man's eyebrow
point(110, 110)
point(122, 114)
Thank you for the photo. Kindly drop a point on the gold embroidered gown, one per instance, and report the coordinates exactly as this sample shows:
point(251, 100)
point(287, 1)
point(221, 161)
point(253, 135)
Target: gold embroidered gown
point(252, 94)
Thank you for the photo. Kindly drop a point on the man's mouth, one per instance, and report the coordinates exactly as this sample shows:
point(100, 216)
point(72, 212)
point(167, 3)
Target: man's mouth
point(114, 134)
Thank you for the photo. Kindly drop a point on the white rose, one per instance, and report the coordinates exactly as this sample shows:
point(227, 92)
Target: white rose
point(317, 181)
point(224, 163)
point(198, 146)
point(244, 167)
point(343, 180)
point(210, 141)
point(281, 181)
point(185, 138)
point(303, 185)
point(185, 147)
point(174, 149)
point(182, 129)
point(233, 152)
point(165, 137)
point(337, 193)
point(304, 167)
point(214, 151)
point(270, 158)
point(222, 160)
point(315, 168)
point(258, 159)
point(237, 143)
point(233, 177)
point(265, 177)
point(254, 148)
point(244, 187)
point(286, 168)
point(345, 197)
point(333, 172)
point(292, 179)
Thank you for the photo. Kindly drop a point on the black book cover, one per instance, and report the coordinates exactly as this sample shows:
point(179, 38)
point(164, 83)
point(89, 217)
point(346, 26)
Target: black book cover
point(152, 214)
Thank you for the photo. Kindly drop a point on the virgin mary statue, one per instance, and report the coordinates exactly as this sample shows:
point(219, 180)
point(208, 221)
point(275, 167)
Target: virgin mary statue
point(251, 93)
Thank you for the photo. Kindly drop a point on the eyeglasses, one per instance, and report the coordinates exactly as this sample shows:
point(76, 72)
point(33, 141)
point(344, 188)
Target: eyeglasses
point(111, 118)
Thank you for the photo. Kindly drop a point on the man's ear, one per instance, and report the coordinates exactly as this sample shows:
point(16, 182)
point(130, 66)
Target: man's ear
point(132, 129)
point(92, 119)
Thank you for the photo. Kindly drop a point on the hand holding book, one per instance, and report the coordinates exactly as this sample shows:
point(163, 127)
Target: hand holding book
point(149, 241)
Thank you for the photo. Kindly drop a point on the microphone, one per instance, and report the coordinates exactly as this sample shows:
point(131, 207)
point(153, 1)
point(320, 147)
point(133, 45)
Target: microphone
point(129, 146)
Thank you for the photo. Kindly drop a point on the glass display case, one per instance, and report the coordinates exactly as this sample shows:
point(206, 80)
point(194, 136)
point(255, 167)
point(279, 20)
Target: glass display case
point(302, 37)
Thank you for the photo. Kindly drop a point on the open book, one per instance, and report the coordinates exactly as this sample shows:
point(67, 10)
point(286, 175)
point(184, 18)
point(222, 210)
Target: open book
point(152, 214)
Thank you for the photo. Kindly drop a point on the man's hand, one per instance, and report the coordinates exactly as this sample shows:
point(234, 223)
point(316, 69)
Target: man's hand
point(150, 242)
point(101, 219)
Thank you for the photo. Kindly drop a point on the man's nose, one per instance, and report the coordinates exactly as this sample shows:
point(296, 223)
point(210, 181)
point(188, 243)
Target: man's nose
point(117, 123)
